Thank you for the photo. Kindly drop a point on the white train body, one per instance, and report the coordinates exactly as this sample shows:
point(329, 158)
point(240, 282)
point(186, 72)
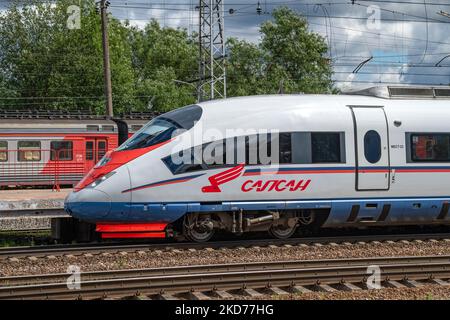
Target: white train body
point(391, 166)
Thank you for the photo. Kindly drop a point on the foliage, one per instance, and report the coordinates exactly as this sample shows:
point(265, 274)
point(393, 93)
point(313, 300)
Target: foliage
point(289, 59)
point(44, 64)
point(160, 56)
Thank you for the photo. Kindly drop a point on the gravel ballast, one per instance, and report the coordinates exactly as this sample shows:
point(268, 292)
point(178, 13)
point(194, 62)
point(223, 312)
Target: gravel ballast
point(25, 223)
point(159, 258)
point(427, 292)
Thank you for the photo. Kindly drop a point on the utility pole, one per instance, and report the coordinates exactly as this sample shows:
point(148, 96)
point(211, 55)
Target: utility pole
point(106, 64)
point(212, 74)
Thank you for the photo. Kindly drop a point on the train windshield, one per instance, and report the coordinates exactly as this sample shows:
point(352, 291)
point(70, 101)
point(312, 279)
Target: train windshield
point(163, 128)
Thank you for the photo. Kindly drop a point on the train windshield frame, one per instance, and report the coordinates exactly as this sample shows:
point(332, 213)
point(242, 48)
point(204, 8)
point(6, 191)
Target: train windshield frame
point(163, 128)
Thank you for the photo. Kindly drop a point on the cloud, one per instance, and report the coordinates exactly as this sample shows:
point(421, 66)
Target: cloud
point(404, 48)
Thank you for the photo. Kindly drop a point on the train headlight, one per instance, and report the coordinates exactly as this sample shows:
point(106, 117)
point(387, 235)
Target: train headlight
point(101, 179)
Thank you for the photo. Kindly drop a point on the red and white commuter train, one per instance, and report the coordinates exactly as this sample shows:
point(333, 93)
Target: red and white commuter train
point(55, 148)
point(378, 157)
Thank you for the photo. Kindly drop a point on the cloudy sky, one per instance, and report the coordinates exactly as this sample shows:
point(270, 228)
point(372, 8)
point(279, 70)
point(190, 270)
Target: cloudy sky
point(405, 44)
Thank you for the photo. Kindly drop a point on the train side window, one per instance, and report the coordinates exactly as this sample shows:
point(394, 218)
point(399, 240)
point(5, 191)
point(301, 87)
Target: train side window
point(163, 128)
point(89, 150)
point(430, 147)
point(101, 149)
point(250, 154)
point(29, 150)
point(215, 154)
point(326, 147)
point(3, 151)
point(285, 148)
point(253, 149)
point(61, 150)
point(185, 161)
point(372, 146)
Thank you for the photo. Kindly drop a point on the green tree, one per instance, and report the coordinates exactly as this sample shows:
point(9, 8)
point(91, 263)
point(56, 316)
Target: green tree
point(165, 92)
point(289, 58)
point(245, 69)
point(160, 56)
point(44, 64)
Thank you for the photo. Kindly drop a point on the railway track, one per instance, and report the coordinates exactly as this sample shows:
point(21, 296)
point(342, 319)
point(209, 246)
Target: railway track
point(206, 281)
point(74, 250)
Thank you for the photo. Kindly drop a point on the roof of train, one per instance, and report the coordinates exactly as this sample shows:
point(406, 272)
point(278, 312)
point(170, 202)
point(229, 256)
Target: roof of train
point(278, 102)
point(386, 96)
point(34, 121)
point(381, 95)
point(52, 118)
point(320, 110)
point(85, 115)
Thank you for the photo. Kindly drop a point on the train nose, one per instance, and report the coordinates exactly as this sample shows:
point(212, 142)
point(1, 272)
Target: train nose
point(88, 204)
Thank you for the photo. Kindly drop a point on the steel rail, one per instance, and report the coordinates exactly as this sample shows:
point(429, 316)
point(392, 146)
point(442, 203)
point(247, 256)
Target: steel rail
point(230, 267)
point(218, 279)
point(42, 251)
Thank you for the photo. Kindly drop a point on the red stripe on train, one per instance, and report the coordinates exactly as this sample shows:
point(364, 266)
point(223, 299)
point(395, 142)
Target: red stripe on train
point(137, 235)
point(297, 172)
point(130, 227)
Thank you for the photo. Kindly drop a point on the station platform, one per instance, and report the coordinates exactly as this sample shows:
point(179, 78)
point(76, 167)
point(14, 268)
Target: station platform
point(27, 209)
point(33, 194)
point(32, 202)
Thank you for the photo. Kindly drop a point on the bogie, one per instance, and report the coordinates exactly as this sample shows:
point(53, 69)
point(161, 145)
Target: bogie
point(200, 227)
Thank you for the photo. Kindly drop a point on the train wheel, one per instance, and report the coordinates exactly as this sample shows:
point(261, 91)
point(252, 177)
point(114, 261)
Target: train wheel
point(198, 228)
point(282, 231)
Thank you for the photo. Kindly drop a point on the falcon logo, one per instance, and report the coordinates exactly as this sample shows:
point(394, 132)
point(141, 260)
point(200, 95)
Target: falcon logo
point(223, 177)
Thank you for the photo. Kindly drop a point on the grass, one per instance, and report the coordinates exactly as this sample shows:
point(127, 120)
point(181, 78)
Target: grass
point(24, 238)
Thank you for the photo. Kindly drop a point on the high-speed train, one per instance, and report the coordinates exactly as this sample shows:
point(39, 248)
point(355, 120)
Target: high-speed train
point(278, 163)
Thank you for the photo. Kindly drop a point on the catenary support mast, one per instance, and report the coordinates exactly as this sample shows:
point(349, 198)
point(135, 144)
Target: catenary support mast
point(212, 72)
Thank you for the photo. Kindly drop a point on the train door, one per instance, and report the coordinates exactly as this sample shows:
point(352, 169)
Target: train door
point(371, 146)
point(90, 154)
point(102, 147)
point(95, 150)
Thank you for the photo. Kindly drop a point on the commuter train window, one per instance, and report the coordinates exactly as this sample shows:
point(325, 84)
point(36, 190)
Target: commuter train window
point(372, 146)
point(430, 147)
point(29, 150)
point(61, 150)
point(107, 128)
point(101, 149)
point(325, 147)
point(3, 151)
point(92, 128)
point(163, 128)
point(89, 150)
